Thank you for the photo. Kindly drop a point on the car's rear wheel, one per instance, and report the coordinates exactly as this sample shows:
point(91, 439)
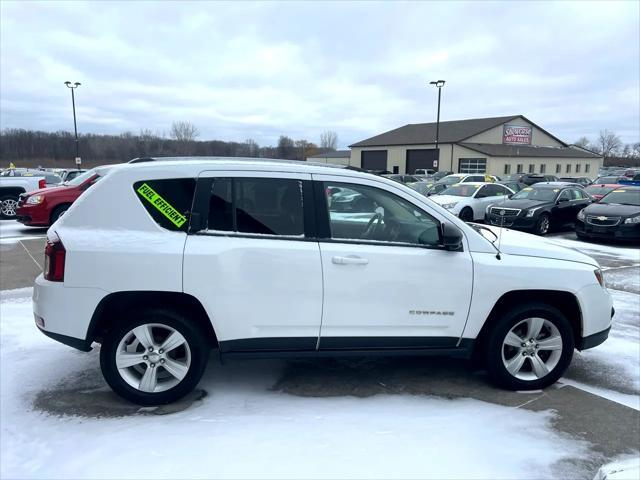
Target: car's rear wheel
point(466, 214)
point(529, 347)
point(155, 357)
point(542, 225)
point(8, 205)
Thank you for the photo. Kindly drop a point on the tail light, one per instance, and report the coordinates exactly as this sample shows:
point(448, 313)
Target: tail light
point(54, 257)
point(42, 183)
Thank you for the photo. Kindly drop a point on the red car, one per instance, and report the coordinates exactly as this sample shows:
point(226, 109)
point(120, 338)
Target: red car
point(43, 207)
point(599, 190)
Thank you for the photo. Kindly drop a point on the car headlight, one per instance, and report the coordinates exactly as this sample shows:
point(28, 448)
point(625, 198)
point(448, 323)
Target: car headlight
point(35, 199)
point(600, 278)
point(633, 220)
point(449, 206)
point(581, 215)
point(531, 211)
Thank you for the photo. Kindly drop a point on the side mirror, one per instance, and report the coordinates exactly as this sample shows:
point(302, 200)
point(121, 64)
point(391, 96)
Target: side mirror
point(451, 237)
point(510, 195)
point(562, 200)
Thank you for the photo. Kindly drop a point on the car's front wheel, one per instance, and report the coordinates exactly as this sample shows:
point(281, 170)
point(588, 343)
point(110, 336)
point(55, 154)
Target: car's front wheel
point(542, 225)
point(529, 347)
point(154, 358)
point(466, 214)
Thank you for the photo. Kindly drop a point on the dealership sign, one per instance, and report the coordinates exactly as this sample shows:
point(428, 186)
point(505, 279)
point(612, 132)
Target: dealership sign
point(516, 135)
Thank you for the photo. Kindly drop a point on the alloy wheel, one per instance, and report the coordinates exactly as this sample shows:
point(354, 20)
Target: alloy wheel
point(532, 349)
point(153, 357)
point(8, 207)
point(544, 225)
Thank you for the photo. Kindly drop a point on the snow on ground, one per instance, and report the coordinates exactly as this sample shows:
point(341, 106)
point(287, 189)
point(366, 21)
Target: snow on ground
point(11, 231)
point(244, 429)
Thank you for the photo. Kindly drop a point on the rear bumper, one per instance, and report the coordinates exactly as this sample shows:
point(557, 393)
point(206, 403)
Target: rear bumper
point(64, 313)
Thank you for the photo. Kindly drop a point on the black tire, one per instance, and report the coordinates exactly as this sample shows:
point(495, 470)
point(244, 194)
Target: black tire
point(466, 215)
point(58, 212)
point(194, 336)
point(494, 345)
point(3, 207)
point(543, 225)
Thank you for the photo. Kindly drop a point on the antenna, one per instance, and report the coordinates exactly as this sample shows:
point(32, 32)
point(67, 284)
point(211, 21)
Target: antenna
point(502, 212)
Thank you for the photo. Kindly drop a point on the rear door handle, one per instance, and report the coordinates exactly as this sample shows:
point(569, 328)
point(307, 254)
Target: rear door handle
point(350, 260)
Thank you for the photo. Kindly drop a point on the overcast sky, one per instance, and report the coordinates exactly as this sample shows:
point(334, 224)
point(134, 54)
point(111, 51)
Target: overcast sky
point(257, 70)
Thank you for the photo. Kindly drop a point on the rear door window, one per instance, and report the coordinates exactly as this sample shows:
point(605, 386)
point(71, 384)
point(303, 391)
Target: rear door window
point(168, 201)
point(259, 206)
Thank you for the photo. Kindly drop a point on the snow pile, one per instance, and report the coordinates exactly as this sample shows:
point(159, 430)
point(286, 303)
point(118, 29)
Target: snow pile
point(243, 429)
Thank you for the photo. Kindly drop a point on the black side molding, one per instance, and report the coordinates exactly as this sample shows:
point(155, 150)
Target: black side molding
point(593, 340)
point(80, 344)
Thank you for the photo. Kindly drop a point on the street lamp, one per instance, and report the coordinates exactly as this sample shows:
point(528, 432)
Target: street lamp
point(439, 84)
point(75, 127)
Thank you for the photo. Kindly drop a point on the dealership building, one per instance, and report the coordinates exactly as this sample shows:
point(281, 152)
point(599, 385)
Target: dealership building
point(496, 146)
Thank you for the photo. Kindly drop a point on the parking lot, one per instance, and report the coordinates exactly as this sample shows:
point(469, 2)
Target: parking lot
point(362, 417)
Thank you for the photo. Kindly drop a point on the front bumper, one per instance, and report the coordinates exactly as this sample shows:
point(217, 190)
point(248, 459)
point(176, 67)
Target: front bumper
point(519, 222)
point(622, 231)
point(32, 215)
point(593, 340)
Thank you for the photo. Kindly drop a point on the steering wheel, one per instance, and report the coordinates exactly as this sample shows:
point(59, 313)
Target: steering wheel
point(372, 226)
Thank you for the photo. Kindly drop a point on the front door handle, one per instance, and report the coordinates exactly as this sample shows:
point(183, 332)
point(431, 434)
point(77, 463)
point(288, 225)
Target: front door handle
point(350, 260)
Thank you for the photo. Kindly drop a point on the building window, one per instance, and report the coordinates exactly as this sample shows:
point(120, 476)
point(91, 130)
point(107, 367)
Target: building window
point(520, 168)
point(578, 168)
point(543, 168)
point(568, 168)
point(558, 168)
point(507, 168)
point(587, 167)
point(532, 168)
point(472, 165)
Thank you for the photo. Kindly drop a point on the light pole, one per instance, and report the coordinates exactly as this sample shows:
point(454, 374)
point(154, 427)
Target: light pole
point(439, 84)
point(75, 127)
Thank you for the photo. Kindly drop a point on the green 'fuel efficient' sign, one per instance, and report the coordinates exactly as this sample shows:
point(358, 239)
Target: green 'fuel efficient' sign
point(162, 205)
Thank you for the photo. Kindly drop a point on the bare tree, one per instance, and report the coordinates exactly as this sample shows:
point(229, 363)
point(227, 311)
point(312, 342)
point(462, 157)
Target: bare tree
point(608, 143)
point(251, 148)
point(285, 148)
point(329, 140)
point(582, 142)
point(184, 131)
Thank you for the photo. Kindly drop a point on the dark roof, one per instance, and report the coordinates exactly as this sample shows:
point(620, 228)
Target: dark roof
point(333, 154)
point(499, 150)
point(421, 133)
point(450, 132)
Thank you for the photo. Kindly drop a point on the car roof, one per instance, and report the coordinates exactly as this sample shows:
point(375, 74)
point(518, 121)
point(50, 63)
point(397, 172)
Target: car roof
point(196, 165)
point(633, 188)
point(612, 185)
point(476, 184)
point(554, 184)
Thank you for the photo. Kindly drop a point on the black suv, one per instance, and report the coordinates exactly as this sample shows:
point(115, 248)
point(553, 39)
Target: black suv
point(540, 207)
point(530, 178)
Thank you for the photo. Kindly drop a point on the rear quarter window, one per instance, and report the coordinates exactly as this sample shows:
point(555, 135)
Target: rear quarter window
point(168, 201)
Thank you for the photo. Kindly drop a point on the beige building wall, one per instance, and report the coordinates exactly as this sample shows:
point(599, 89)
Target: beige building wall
point(538, 137)
point(330, 160)
point(579, 167)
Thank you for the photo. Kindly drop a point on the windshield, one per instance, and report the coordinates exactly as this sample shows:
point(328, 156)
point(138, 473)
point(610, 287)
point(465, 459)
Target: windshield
point(621, 196)
point(451, 179)
point(460, 190)
point(80, 179)
point(598, 190)
point(539, 194)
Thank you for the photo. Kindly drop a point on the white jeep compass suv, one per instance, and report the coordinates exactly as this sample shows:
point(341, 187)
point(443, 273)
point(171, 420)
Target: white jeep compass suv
point(164, 260)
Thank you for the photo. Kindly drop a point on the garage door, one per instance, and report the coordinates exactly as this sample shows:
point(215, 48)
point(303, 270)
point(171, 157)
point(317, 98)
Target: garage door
point(423, 158)
point(374, 160)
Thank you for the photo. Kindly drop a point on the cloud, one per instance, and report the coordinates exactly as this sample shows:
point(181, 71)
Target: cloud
point(257, 70)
